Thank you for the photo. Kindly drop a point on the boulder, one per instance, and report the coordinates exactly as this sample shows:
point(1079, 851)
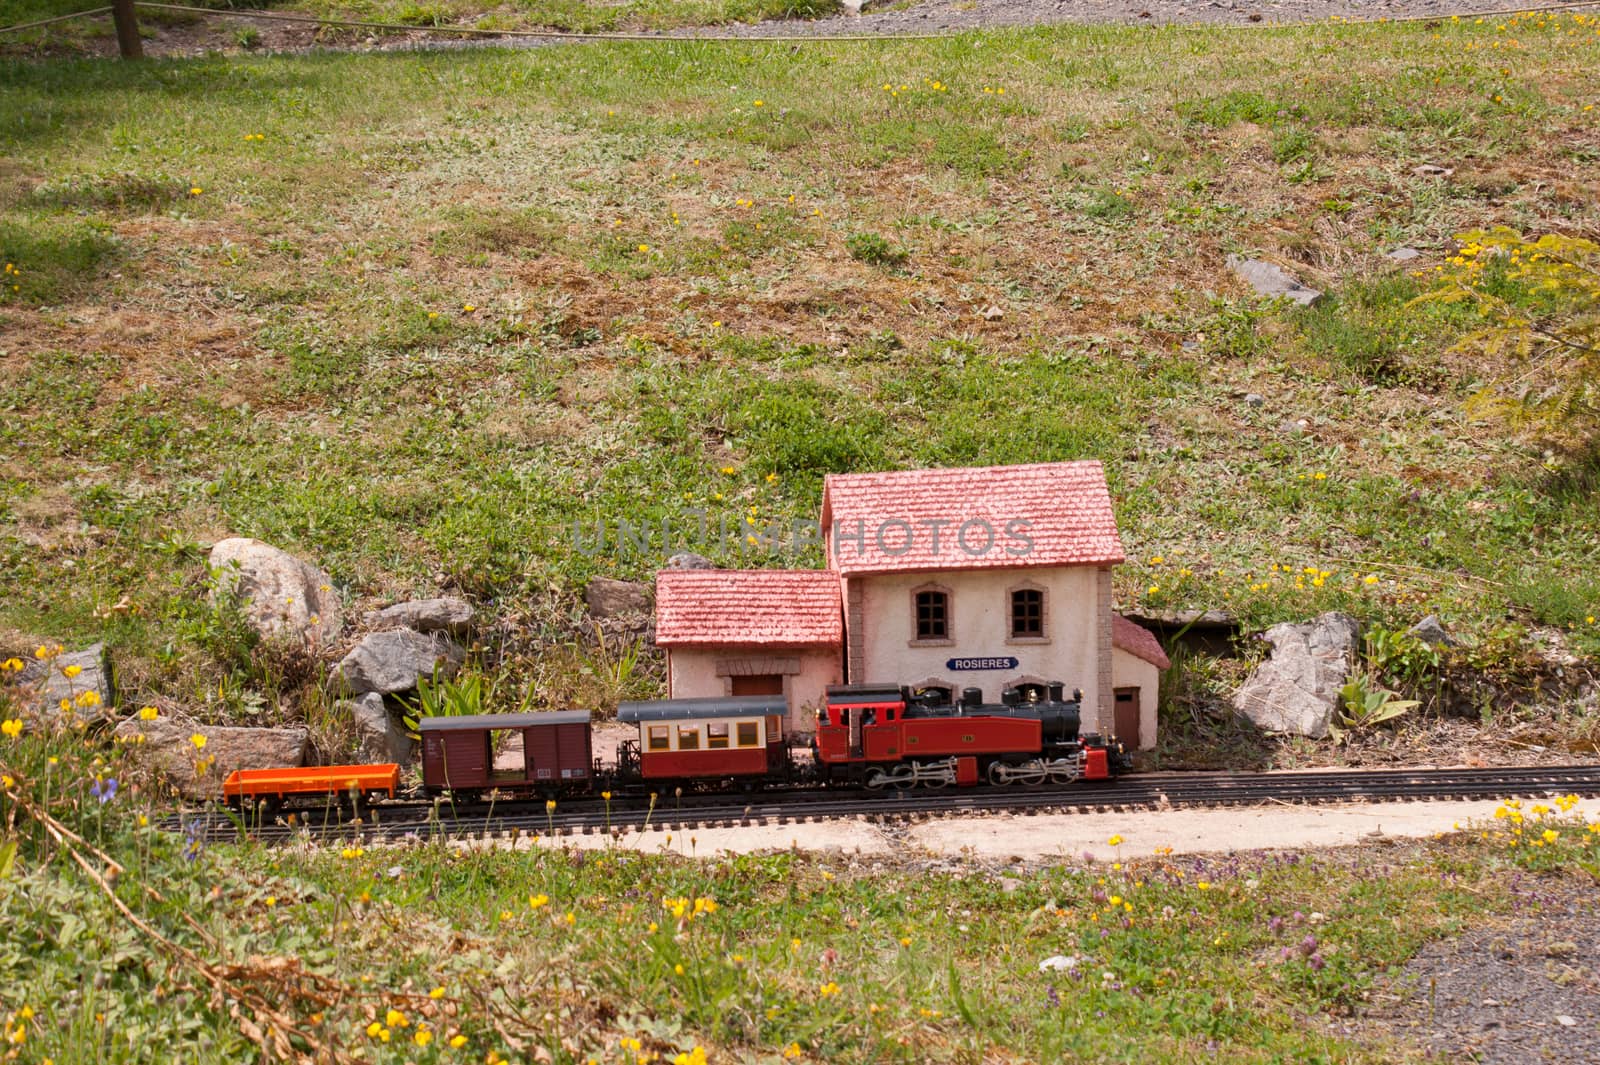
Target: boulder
point(607, 598)
point(689, 560)
point(48, 684)
point(281, 596)
point(1269, 279)
point(1296, 689)
point(379, 737)
point(389, 662)
point(453, 616)
point(1430, 630)
point(167, 745)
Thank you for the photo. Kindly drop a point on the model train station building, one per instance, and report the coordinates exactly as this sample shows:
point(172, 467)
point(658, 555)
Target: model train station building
point(947, 578)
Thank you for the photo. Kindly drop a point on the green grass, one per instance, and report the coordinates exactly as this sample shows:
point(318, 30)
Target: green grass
point(662, 246)
point(564, 956)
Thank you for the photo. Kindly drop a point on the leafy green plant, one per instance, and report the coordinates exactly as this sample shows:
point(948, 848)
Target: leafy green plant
point(874, 249)
point(1403, 657)
point(1362, 708)
point(463, 695)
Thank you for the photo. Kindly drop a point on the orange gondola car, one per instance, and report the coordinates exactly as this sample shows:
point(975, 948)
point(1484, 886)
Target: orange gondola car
point(274, 785)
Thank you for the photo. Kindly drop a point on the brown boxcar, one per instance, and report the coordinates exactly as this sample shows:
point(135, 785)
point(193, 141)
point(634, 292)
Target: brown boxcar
point(458, 753)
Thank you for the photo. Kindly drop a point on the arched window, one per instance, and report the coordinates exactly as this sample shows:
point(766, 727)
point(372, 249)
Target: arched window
point(1027, 617)
point(931, 614)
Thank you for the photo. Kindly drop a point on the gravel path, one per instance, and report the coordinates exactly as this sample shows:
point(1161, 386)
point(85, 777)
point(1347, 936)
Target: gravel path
point(1515, 993)
point(934, 16)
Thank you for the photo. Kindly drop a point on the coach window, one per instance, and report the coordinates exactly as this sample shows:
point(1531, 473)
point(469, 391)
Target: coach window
point(688, 737)
point(717, 736)
point(659, 740)
point(1026, 613)
point(931, 623)
point(749, 734)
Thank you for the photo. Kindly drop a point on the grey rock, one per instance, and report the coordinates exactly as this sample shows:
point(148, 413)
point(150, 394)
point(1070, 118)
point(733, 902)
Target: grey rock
point(426, 615)
point(47, 683)
point(1254, 399)
point(1269, 279)
point(1432, 170)
point(166, 745)
point(1430, 630)
point(379, 737)
point(689, 560)
point(607, 597)
point(1296, 689)
point(1295, 427)
point(1402, 255)
point(389, 662)
point(281, 596)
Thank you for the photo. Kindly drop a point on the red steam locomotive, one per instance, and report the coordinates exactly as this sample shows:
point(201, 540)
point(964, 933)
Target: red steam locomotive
point(872, 736)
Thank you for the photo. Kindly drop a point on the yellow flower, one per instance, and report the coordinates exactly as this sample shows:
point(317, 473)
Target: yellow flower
point(469, 307)
point(1115, 841)
point(1203, 885)
point(12, 728)
point(457, 1042)
point(423, 1037)
point(272, 900)
point(89, 698)
point(536, 901)
point(7, 780)
point(395, 1019)
point(437, 992)
point(373, 1029)
point(792, 1050)
point(12, 665)
point(1551, 835)
point(195, 190)
point(72, 671)
point(643, 248)
point(549, 805)
point(199, 741)
point(828, 989)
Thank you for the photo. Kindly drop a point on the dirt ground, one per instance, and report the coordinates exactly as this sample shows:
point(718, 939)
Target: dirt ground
point(221, 34)
point(1004, 838)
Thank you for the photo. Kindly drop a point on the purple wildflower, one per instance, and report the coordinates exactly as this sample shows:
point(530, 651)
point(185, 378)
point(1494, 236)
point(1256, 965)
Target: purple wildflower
point(1316, 962)
point(1308, 945)
point(104, 789)
point(1275, 925)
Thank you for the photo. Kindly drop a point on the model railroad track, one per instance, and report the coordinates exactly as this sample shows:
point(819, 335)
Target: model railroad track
point(688, 813)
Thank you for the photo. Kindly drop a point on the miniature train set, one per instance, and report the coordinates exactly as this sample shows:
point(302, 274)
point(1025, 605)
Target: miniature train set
point(872, 737)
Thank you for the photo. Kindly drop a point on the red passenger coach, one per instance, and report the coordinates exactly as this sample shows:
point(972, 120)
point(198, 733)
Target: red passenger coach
point(695, 740)
point(458, 753)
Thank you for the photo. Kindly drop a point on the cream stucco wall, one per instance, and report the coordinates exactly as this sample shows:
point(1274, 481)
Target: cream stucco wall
point(880, 630)
point(701, 672)
point(1130, 671)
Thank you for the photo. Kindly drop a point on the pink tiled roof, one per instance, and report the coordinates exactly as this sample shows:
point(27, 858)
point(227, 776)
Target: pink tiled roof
point(1043, 514)
point(748, 607)
point(1138, 641)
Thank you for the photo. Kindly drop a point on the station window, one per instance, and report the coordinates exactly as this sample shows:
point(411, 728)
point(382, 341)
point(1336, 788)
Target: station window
point(749, 734)
point(933, 615)
point(659, 740)
point(1027, 613)
point(717, 736)
point(688, 737)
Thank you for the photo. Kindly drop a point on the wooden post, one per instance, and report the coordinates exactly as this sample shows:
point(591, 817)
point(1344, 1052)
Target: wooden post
point(127, 29)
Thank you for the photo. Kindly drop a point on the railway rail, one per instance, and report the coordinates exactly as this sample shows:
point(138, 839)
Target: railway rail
point(672, 812)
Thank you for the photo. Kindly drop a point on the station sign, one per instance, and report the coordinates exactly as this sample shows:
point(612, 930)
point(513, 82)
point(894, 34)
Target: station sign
point(969, 664)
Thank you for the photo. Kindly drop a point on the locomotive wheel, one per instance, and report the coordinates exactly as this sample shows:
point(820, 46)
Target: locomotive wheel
point(1030, 778)
point(995, 777)
point(903, 783)
point(876, 780)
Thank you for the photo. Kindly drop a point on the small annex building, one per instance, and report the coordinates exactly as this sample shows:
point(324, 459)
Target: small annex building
point(987, 577)
point(751, 632)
